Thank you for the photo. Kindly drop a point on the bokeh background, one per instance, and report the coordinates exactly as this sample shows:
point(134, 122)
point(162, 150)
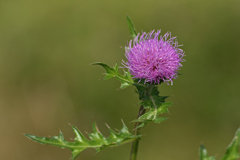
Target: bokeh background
point(46, 80)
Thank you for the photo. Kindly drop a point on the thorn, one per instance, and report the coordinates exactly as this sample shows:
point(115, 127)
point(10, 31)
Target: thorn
point(123, 122)
point(134, 129)
point(107, 125)
point(97, 128)
point(69, 124)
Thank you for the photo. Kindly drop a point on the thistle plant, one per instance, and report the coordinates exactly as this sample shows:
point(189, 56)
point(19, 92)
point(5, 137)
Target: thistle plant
point(151, 59)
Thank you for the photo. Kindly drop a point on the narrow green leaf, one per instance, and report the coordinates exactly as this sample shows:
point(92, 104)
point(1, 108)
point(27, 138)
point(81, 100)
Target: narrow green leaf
point(126, 79)
point(131, 27)
point(232, 152)
point(203, 154)
point(96, 140)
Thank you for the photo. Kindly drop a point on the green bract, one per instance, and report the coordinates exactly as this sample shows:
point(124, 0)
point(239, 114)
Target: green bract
point(97, 140)
point(131, 27)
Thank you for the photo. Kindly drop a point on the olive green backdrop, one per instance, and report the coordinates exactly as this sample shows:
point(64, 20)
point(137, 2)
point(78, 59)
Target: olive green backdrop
point(46, 80)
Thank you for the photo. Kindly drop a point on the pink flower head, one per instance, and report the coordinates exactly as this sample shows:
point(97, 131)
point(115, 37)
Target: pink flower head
point(154, 58)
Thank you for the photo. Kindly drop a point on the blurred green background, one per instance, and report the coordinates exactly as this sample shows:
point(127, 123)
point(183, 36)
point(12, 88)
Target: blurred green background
point(46, 80)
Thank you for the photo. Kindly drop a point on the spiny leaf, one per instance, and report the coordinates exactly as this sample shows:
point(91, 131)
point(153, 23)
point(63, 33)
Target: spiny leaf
point(126, 79)
point(152, 115)
point(131, 27)
point(232, 152)
point(96, 140)
point(203, 154)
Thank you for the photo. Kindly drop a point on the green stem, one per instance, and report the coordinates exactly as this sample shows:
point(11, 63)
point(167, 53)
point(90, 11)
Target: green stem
point(134, 150)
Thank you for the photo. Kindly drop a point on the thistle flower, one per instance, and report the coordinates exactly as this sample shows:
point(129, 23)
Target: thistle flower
point(152, 58)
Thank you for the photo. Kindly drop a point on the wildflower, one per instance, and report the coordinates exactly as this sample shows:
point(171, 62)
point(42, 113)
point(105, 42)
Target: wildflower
point(154, 58)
